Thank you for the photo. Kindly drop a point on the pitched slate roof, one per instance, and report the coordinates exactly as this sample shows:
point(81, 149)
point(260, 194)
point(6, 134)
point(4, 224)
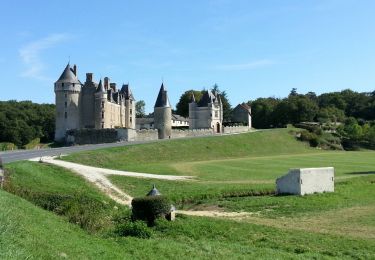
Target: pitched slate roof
point(127, 92)
point(162, 100)
point(68, 76)
point(208, 97)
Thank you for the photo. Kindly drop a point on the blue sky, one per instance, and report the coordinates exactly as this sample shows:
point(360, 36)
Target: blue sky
point(249, 48)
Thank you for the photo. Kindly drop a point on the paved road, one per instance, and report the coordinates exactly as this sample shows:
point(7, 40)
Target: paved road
point(18, 155)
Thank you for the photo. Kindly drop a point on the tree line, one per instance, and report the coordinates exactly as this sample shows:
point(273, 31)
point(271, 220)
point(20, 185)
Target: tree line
point(24, 121)
point(328, 107)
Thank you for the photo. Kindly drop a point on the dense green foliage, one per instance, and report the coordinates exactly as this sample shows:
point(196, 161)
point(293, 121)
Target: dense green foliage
point(140, 108)
point(182, 107)
point(357, 134)
point(328, 107)
point(150, 208)
point(22, 122)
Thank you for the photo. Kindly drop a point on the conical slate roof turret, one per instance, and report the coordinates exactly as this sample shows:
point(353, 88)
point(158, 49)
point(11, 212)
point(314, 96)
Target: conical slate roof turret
point(68, 76)
point(100, 87)
point(153, 192)
point(162, 100)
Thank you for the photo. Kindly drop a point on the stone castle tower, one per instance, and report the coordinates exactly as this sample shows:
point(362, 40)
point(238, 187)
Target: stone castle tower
point(67, 100)
point(207, 113)
point(163, 114)
point(91, 105)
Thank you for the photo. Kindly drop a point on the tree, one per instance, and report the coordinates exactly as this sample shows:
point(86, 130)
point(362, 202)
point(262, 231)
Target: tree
point(182, 107)
point(262, 110)
point(140, 108)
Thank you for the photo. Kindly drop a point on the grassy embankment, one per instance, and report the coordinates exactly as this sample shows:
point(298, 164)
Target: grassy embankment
point(237, 165)
point(337, 225)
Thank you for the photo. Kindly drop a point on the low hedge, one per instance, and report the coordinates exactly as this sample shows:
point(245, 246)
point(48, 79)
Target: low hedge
point(150, 208)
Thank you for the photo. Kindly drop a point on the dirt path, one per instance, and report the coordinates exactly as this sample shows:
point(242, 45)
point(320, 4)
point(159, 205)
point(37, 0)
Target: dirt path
point(98, 176)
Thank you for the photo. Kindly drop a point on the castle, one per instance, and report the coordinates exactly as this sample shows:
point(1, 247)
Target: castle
point(91, 105)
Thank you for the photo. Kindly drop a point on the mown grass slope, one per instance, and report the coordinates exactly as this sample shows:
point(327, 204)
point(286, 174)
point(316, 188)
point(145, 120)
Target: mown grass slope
point(32, 233)
point(157, 157)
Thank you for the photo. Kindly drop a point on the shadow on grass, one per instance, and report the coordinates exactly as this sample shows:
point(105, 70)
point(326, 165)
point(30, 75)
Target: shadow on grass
point(357, 173)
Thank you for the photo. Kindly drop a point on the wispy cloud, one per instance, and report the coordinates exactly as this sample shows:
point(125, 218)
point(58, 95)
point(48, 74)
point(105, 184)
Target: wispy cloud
point(247, 66)
point(30, 55)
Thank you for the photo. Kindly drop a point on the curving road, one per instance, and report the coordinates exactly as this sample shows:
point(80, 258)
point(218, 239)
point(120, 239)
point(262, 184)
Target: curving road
point(18, 155)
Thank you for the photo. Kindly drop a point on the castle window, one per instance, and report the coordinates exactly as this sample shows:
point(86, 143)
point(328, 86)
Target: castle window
point(74, 84)
point(66, 104)
point(62, 84)
point(102, 125)
point(102, 114)
point(216, 113)
point(66, 115)
point(102, 104)
point(131, 111)
point(66, 95)
point(130, 119)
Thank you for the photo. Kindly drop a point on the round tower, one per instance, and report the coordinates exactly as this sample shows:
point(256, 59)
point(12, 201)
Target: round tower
point(163, 114)
point(67, 94)
point(100, 107)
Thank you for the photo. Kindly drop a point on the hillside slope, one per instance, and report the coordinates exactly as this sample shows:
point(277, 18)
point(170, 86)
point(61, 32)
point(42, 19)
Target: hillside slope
point(262, 143)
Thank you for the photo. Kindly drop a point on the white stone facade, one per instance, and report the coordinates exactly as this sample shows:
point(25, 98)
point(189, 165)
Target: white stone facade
point(207, 113)
point(306, 181)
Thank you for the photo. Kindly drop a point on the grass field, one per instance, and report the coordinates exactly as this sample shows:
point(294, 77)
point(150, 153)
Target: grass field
point(228, 170)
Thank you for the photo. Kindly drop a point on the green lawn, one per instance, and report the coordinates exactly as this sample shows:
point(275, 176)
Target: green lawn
point(228, 170)
point(32, 233)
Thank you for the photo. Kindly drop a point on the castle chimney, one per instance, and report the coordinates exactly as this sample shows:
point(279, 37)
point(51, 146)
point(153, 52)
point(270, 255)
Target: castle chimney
point(88, 77)
point(113, 86)
point(75, 70)
point(106, 83)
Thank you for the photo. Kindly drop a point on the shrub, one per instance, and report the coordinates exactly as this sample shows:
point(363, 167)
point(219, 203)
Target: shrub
point(150, 208)
point(134, 229)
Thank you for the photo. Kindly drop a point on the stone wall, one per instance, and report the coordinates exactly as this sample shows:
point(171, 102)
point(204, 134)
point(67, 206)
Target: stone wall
point(91, 136)
point(146, 135)
point(236, 129)
point(177, 133)
point(110, 135)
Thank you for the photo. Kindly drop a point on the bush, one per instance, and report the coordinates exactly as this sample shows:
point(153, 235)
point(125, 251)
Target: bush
point(134, 229)
point(150, 208)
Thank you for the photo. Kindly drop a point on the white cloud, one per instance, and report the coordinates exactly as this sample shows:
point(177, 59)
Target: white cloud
point(30, 55)
point(247, 66)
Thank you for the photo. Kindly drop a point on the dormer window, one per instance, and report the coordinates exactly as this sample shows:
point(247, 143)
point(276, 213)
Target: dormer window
point(62, 84)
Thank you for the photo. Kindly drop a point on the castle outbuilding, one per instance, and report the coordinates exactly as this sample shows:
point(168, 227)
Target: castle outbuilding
point(207, 113)
point(91, 105)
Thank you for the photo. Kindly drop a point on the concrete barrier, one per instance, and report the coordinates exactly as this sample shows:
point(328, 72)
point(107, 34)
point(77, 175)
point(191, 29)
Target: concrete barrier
point(306, 181)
